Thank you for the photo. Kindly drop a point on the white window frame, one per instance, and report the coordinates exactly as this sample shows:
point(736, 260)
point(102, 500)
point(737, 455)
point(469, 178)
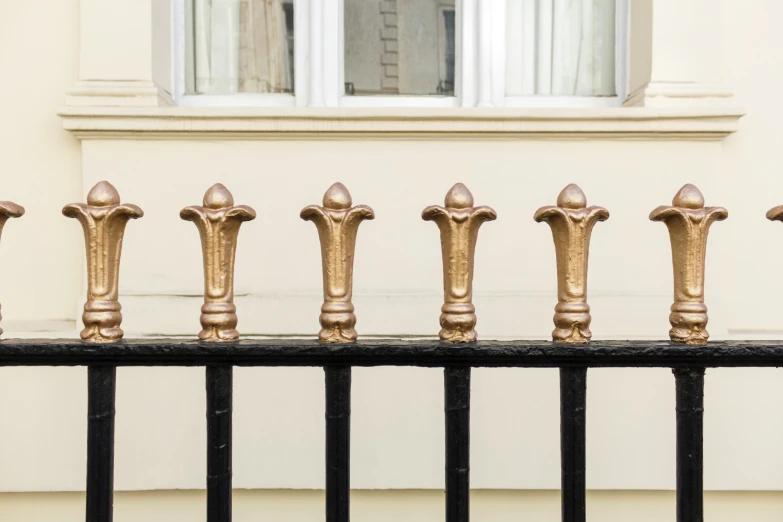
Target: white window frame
point(480, 68)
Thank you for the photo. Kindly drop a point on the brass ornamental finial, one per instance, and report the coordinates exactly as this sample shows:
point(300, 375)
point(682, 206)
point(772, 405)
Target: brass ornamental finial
point(218, 223)
point(572, 222)
point(689, 223)
point(337, 223)
point(459, 223)
point(103, 219)
point(775, 213)
point(8, 210)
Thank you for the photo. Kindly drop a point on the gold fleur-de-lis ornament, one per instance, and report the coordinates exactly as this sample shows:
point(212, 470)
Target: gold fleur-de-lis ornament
point(459, 222)
point(572, 223)
point(689, 223)
point(8, 210)
point(218, 224)
point(103, 220)
point(337, 223)
point(775, 213)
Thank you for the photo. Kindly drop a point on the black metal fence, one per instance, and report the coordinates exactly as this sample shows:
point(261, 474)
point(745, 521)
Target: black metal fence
point(688, 363)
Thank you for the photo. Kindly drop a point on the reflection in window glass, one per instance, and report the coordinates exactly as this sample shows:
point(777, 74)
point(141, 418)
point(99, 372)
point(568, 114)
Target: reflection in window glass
point(399, 47)
point(240, 46)
point(560, 47)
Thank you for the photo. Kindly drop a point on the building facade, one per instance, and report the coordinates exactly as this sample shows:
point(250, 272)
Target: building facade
point(398, 100)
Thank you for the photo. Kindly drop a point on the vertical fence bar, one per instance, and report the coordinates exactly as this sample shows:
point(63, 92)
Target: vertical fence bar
point(457, 406)
point(101, 386)
point(573, 395)
point(338, 443)
point(689, 383)
point(219, 380)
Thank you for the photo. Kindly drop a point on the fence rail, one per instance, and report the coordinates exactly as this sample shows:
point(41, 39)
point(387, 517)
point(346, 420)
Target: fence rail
point(687, 361)
point(421, 353)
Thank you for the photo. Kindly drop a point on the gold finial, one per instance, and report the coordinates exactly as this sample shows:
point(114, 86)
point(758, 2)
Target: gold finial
point(572, 223)
point(8, 210)
point(689, 223)
point(775, 213)
point(218, 223)
point(103, 220)
point(459, 223)
point(337, 223)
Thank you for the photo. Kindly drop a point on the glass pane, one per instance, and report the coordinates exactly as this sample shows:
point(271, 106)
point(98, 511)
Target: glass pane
point(399, 47)
point(560, 47)
point(240, 46)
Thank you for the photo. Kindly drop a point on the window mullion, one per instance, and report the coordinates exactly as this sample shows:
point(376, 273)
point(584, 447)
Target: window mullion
point(179, 47)
point(622, 48)
point(484, 52)
point(302, 52)
point(316, 53)
point(466, 52)
point(498, 53)
point(332, 52)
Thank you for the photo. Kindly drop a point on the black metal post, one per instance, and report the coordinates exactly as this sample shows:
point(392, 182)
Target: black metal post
point(690, 451)
point(101, 386)
point(219, 410)
point(338, 443)
point(573, 396)
point(457, 406)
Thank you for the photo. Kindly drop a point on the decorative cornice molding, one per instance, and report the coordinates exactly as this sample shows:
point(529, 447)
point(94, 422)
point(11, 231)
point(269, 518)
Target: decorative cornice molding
point(696, 123)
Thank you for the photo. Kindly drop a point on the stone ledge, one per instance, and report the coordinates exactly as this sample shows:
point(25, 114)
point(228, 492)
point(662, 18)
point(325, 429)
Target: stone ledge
point(691, 123)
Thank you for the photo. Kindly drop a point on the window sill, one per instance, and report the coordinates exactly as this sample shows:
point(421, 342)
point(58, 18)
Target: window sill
point(686, 123)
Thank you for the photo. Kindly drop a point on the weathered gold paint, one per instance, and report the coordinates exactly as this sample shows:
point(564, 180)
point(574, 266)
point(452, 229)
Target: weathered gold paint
point(8, 210)
point(337, 223)
point(572, 223)
point(689, 223)
point(459, 222)
point(775, 214)
point(103, 220)
point(218, 223)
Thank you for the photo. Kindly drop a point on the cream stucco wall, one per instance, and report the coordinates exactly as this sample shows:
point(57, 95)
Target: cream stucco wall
point(390, 506)
point(39, 163)
point(397, 413)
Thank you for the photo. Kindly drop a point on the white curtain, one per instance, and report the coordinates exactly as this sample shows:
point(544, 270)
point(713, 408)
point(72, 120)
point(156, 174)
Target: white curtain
point(240, 46)
point(560, 47)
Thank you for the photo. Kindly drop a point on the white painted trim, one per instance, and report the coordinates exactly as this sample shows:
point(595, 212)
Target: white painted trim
point(622, 55)
point(301, 66)
point(333, 56)
point(398, 101)
point(484, 72)
point(301, 52)
point(466, 87)
point(316, 29)
point(319, 63)
point(543, 101)
point(701, 123)
point(498, 52)
point(178, 51)
point(240, 99)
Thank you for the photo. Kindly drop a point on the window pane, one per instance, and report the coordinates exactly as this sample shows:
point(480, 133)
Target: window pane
point(560, 47)
point(241, 46)
point(399, 47)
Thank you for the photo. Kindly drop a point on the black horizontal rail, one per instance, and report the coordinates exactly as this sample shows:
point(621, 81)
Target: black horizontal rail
point(688, 363)
point(496, 354)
